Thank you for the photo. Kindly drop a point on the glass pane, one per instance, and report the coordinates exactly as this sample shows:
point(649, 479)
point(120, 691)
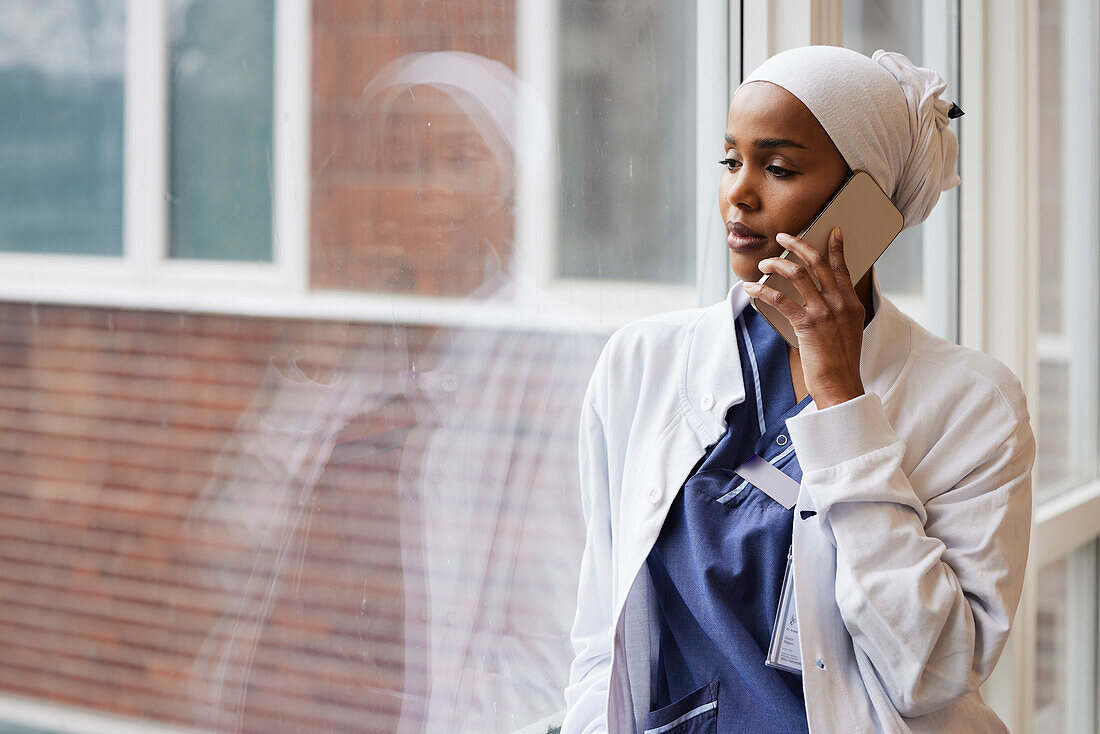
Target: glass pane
point(628, 141)
point(61, 83)
point(1069, 221)
point(1050, 636)
point(1052, 426)
point(221, 116)
point(364, 522)
point(1066, 651)
point(924, 32)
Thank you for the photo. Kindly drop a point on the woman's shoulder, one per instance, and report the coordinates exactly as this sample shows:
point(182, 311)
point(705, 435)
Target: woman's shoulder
point(953, 373)
point(645, 354)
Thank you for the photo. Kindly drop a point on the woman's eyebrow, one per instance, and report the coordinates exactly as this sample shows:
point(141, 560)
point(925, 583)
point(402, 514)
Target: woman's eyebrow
point(770, 143)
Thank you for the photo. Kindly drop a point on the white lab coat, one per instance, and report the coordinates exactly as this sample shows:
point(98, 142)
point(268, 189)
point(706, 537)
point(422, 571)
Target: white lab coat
point(910, 532)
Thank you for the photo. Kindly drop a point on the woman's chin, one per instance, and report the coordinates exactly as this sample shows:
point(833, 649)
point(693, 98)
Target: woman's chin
point(748, 272)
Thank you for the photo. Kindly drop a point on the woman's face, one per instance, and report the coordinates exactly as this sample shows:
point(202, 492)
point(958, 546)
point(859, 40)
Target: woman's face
point(437, 196)
point(781, 168)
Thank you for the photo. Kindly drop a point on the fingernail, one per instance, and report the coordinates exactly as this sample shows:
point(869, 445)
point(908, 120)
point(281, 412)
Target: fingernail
point(838, 234)
point(783, 236)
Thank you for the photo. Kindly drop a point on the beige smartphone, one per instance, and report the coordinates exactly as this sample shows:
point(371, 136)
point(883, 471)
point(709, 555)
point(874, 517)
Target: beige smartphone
point(869, 221)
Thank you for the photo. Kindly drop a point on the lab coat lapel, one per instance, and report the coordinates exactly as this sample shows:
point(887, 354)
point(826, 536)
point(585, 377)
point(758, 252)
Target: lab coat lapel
point(706, 383)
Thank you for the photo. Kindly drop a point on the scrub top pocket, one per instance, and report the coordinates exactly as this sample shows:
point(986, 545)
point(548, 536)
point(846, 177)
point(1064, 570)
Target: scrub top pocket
point(695, 713)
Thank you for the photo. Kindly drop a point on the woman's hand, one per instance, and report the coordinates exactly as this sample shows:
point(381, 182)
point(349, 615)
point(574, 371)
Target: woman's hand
point(829, 323)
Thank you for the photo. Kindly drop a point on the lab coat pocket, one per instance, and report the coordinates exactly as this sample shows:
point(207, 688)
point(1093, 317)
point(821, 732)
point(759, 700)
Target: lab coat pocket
point(695, 713)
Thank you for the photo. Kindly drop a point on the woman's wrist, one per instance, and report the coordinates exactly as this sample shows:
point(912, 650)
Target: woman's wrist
point(829, 398)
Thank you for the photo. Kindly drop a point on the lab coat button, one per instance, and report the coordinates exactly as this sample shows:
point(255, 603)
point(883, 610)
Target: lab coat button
point(820, 664)
point(707, 402)
point(653, 494)
point(781, 440)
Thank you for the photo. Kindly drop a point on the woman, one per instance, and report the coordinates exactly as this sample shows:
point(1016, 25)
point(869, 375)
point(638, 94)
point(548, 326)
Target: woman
point(910, 530)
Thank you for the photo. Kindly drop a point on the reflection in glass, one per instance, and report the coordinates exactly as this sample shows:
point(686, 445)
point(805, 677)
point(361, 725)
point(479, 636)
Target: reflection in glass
point(417, 484)
point(61, 82)
point(1066, 639)
point(440, 194)
point(262, 525)
point(221, 89)
point(1050, 640)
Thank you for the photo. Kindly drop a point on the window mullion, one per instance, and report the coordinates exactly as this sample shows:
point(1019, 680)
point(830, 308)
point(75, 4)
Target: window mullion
point(940, 231)
point(538, 64)
point(291, 185)
point(714, 60)
point(998, 257)
point(145, 209)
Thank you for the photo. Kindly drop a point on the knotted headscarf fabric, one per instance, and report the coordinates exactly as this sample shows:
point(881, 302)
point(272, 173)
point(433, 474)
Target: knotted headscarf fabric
point(884, 114)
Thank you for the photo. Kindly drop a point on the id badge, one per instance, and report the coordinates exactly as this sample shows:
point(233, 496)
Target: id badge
point(783, 652)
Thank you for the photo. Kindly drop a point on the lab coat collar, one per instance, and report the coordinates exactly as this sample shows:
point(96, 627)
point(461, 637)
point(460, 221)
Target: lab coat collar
point(713, 380)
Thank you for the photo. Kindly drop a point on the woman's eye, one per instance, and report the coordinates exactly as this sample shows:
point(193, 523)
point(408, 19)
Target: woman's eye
point(780, 172)
point(729, 163)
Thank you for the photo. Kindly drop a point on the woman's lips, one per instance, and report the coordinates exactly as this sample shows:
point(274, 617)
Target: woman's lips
point(743, 238)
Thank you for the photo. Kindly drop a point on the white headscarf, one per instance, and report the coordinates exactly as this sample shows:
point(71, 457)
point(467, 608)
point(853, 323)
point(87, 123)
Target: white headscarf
point(497, 101)
point(883, 113)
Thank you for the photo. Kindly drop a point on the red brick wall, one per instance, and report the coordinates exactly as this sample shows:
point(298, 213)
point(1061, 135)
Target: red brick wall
point(164, 555)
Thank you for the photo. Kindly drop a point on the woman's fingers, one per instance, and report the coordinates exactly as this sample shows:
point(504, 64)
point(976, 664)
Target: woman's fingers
point(837, 262)
point(783, 303)
point(829, 323)
point(834, 299)
point(815, 259)
point(797, 274)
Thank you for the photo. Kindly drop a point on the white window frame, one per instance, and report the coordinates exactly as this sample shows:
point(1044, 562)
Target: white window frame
point(1000, 313)
point(50, 716)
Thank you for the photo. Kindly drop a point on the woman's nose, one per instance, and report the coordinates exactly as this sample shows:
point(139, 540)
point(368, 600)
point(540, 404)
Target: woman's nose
point(742, 190)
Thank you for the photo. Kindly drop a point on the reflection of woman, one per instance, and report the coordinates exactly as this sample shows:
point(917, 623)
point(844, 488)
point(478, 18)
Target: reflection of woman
point(910, 530)
point(489, 517)
point(465, 629)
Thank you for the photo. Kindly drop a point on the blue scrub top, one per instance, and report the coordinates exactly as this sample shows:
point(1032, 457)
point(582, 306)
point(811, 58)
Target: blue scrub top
point(719, 562)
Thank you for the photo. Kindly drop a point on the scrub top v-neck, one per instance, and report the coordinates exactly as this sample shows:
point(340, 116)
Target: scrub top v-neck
point(718, 566)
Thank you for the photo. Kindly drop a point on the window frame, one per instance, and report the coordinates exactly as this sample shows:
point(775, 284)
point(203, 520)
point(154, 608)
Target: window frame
point(48, 716)
point(999, 309)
